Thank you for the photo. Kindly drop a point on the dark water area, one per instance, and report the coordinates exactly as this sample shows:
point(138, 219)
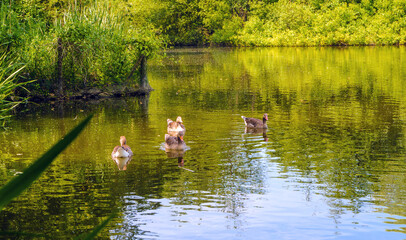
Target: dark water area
point(331, 165)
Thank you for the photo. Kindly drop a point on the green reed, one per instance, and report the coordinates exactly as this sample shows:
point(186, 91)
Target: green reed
point(18, 184)
point(8, 85)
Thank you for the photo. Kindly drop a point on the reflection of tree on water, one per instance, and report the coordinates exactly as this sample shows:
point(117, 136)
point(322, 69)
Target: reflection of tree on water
point(112, 107)
point(337, 153)
point(345, 154)
point(143, 101)
point(242, 173)
point(130, 225)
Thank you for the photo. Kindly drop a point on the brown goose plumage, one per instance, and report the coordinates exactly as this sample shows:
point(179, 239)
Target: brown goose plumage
point(123, 150)
point(255, 123)
point(174, 142)
point(176, 126)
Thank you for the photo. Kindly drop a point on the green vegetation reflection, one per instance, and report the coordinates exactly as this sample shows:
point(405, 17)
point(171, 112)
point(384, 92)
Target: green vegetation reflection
point(336, 132)
point(337, 114)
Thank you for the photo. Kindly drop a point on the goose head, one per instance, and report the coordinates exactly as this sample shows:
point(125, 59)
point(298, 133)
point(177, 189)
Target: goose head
point(179, 119)
point(123, 140)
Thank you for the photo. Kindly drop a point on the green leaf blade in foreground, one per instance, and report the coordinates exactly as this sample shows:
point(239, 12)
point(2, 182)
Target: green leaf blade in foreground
point(96, 230)
point(18, 184)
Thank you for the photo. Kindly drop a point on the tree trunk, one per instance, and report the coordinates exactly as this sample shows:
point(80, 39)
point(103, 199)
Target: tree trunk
point(144, 84)
point(141, 64)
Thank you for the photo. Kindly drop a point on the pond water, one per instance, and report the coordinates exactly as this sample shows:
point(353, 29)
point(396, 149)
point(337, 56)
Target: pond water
point(332, 164)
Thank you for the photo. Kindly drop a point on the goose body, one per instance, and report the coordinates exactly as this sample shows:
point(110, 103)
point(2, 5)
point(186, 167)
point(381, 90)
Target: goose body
point(256, 123)
point(174, 142)
point(176, 126)
point(123, 150)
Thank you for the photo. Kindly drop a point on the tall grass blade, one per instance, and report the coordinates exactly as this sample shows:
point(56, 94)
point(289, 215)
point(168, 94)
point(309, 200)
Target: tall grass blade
point(96, 230)
point(18, 184)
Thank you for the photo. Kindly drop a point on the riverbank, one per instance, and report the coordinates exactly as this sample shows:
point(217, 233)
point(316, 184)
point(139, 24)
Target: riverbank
point(93, 93)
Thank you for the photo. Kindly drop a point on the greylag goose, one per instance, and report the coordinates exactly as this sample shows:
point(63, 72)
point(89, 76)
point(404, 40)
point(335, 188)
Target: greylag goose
point(175, 126)
point(123, 150)
point(255, 123)
point(174, 142)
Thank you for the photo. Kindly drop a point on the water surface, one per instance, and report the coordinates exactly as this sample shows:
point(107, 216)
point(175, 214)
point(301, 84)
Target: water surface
point(331, 165)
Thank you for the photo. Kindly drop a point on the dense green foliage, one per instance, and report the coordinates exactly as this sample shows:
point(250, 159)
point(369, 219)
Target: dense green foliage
point(283, 23)
point(325, 23)
point(74, 47)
